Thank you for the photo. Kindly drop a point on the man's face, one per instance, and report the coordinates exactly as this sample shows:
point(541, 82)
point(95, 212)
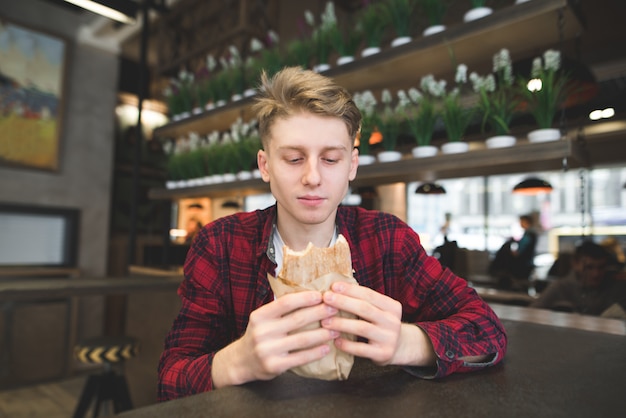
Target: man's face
point(308, 164)
point(591, 271)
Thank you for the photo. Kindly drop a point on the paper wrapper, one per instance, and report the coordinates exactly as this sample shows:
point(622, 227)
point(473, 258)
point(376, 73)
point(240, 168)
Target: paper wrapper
point(336, 365)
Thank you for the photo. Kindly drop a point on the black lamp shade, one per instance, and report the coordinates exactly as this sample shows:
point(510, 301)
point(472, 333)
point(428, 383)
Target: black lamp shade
point(430, 188)
point(231, 204)
point(532, 186)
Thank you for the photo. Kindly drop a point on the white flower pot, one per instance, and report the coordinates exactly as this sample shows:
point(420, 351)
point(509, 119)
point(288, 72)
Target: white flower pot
point(370, 51)
point(454, 147)
point(210, 106)
point(229, 177)
point(520, 1)
point(544, 135)
point(236, 97)
point(256, 173)
point(477, 13)
point(320, 68)
point(184, 115)
point(400, 40)
point(220, 103)
point(422, 151)
point(345, 59)
point(197, 110)
point(500, 141)
point(387, 156)
point(249, 92)
point(218, 178)
point(244, 175)
point(366, 159)
point(207, 180)
point(170, 184)
point(431, 30)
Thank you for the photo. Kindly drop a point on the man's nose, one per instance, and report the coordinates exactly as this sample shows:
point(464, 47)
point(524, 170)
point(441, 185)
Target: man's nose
point(311, 173)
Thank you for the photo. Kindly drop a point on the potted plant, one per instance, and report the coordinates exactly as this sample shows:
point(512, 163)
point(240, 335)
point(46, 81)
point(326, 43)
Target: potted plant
point(371, 23)
point(545, 93)
point(320, 35)
point(456, 115)
point(344, 41)
point(400, 13)
point(389, 124)
point(422, 114)
point(478, 10)
point(435, 10)
point(366, 102)
point(498, 99)
point(180, 95)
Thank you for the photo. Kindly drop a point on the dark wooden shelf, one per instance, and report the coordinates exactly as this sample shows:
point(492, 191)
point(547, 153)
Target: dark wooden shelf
point(479, 161)
point(526, 30)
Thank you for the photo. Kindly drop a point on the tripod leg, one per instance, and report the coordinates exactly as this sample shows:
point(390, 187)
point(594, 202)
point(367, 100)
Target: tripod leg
point(90, 389)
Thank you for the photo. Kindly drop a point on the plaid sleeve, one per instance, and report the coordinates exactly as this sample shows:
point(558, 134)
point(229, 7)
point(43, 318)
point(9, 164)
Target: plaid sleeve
point(458, 322)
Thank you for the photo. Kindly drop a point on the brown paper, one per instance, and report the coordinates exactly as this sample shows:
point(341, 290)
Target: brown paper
point(336, 365)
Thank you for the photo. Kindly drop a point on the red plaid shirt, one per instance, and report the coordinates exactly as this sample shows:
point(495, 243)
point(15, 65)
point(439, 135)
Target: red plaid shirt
point(226, 279)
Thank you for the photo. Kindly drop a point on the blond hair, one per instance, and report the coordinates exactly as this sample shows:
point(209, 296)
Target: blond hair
point(293, 90)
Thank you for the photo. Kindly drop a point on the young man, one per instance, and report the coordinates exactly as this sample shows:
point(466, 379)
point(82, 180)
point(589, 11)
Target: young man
point(589, 288)
point(409, 310)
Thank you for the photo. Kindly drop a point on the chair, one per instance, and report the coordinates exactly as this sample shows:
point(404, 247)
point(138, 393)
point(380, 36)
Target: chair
point(107, 385)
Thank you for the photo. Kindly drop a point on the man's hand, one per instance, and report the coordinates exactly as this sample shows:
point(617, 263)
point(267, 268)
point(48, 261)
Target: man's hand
point(388, 340)
point(268, 348)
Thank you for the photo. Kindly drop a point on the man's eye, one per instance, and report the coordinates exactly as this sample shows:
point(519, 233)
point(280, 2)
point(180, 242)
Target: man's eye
point(331, 160)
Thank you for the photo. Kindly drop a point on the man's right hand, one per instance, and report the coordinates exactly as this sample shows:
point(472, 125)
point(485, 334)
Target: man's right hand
point(270, 346)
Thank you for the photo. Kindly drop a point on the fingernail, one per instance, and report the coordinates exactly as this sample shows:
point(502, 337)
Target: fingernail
point(329, 296)
point(331, 310)
point(339, 287)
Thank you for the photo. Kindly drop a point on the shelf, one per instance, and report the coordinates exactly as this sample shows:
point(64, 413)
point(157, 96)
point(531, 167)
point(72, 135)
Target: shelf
point(526, 30)
point(523, 157)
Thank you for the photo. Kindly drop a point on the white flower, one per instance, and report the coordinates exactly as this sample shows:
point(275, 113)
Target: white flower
point(403, 100)
point(308, 16)
point(328, 17)
point(211, 63)
point(194, 141)
point(461, 74)
point(256, 45)
point(168, 147)
point(366, 102)
point(536, 69)
point(502, 62)
point(415, 95)
point(386, 96)
point(227, 138)
point(433, 87)
point(552, 60)
point(479, 83)
point(273, 37)
point(213, 137)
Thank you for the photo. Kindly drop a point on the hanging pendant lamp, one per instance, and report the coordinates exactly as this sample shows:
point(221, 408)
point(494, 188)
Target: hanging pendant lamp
point(430, 188)
point(532, 186)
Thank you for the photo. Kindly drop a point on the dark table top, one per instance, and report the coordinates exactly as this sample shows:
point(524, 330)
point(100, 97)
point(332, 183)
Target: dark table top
point(549, 371)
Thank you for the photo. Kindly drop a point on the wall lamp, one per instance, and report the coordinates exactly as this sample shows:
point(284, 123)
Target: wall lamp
point(430, 188)
point(123, 11)
point(532, 186)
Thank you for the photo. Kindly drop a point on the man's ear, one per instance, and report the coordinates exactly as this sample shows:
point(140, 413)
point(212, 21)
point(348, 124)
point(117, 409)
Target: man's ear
point(354, 164)
point(263, 164)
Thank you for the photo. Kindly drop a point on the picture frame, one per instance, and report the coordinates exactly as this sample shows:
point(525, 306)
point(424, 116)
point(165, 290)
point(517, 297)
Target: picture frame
point(32, 92)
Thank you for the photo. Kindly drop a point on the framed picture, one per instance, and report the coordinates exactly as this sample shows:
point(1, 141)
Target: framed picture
point(32, 85)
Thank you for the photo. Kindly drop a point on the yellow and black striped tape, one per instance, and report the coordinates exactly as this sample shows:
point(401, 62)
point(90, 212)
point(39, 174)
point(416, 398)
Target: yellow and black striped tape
point(106, 353)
